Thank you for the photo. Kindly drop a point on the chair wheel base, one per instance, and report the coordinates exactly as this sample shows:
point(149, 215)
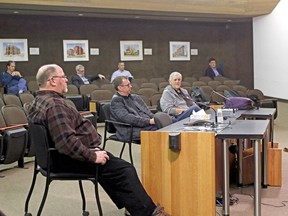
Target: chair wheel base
point(27, 214)
point(85, 213)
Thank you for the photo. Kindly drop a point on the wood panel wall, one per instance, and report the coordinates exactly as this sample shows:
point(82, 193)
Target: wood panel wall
point(231, 44)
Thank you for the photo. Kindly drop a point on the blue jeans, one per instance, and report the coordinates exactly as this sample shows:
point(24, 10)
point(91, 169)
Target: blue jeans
point(186, 113)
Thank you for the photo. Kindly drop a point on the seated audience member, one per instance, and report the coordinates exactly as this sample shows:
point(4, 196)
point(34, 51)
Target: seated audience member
point(77, 138)
point(12, 80)
point(213, 71)
point(121, 72)
point(129, 108)
point(175, 100)
point(79, 78)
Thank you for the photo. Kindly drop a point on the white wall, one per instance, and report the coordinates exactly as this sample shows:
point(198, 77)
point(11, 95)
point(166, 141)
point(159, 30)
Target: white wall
point(270, 41)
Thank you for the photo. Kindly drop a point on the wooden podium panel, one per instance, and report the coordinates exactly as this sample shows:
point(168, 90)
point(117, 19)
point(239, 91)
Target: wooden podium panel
point(183, 182)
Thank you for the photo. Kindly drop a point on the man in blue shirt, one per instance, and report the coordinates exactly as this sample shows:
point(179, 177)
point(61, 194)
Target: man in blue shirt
point(121, 72)
point(12, 81)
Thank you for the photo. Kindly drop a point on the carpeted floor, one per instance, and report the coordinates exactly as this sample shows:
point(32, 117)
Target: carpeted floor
point(64, 197)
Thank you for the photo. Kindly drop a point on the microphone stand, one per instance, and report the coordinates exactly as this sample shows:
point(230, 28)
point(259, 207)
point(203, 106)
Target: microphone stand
point(226, 98)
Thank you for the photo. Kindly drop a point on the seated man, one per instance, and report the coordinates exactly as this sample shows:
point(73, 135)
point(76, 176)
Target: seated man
point(129, 108)
point(77, 138)
point(79, 78)
point(121, 72)
point(12, 80)
point(176, 101)
point(213, 71)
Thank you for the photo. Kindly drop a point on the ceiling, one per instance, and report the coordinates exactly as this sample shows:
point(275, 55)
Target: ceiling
point(176, 10)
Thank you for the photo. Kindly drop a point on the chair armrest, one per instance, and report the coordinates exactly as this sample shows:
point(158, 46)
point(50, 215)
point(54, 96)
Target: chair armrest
point(13, 127)
point(119, 123)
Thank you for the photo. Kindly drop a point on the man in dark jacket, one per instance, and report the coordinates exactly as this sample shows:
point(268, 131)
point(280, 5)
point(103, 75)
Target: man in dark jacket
point(79, 78)
point(213, 71)
point(131, 109)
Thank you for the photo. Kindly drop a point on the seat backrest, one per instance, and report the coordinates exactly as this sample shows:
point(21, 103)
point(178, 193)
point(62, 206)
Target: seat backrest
point(39, 138)
point(199, 83)
point(255, 93)
point(231, 83)
point(101, 95)
point(147, 91)
point(26, 97)
point(106, 110)
point(162, 119)
point(32, 86)
point(149, 85)
point(108, 86)
point(72, 89)
point(14, 115)
point(14, 142)
point(220, 78)
point(205, 79)
point(185, 84)
point(190, 79)
point(10, 99)
point(155, 98)
point(1, 103)
point(221, 88)
point(146, 100)
point(157, 80)
point(87, 89)
point(214, 83)
point(139, 81)
point(163, 84)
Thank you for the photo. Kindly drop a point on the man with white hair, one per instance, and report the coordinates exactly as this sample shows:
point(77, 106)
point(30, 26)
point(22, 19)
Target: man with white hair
point(176, 101)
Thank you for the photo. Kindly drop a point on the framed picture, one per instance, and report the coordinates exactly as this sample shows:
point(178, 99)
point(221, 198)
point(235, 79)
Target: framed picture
point(13, 49)
point(179, 51)
point(131, 51)
point(75, 50)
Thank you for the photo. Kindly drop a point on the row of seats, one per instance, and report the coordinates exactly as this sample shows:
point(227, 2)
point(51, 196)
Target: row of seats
point(33, 86)
point(14, 142)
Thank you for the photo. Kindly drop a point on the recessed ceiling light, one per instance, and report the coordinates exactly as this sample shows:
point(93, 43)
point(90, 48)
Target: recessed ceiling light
point(186, 19)
point(137, 17)
point(15, 12)
point(80, 14)
point(229, 20)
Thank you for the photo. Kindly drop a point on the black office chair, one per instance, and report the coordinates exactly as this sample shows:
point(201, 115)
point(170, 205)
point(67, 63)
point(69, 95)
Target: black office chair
point(109, 128)
point(46, 163)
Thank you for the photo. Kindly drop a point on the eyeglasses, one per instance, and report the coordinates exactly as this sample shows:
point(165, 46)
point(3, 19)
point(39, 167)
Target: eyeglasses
point(129, 84)
point(64, 77)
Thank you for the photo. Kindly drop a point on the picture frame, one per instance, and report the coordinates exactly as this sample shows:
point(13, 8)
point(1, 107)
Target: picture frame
point(76, 50)
point(179, 50)
point(131, 50)
point(13, 49)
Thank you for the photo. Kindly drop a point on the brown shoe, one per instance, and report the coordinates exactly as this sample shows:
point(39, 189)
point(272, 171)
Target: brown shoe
point(159, 211)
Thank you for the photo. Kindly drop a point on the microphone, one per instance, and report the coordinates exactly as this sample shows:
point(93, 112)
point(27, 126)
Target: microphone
point(203, 104)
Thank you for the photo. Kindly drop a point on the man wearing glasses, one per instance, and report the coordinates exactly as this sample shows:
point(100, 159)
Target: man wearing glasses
point(129, 108)
point(77, 138)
